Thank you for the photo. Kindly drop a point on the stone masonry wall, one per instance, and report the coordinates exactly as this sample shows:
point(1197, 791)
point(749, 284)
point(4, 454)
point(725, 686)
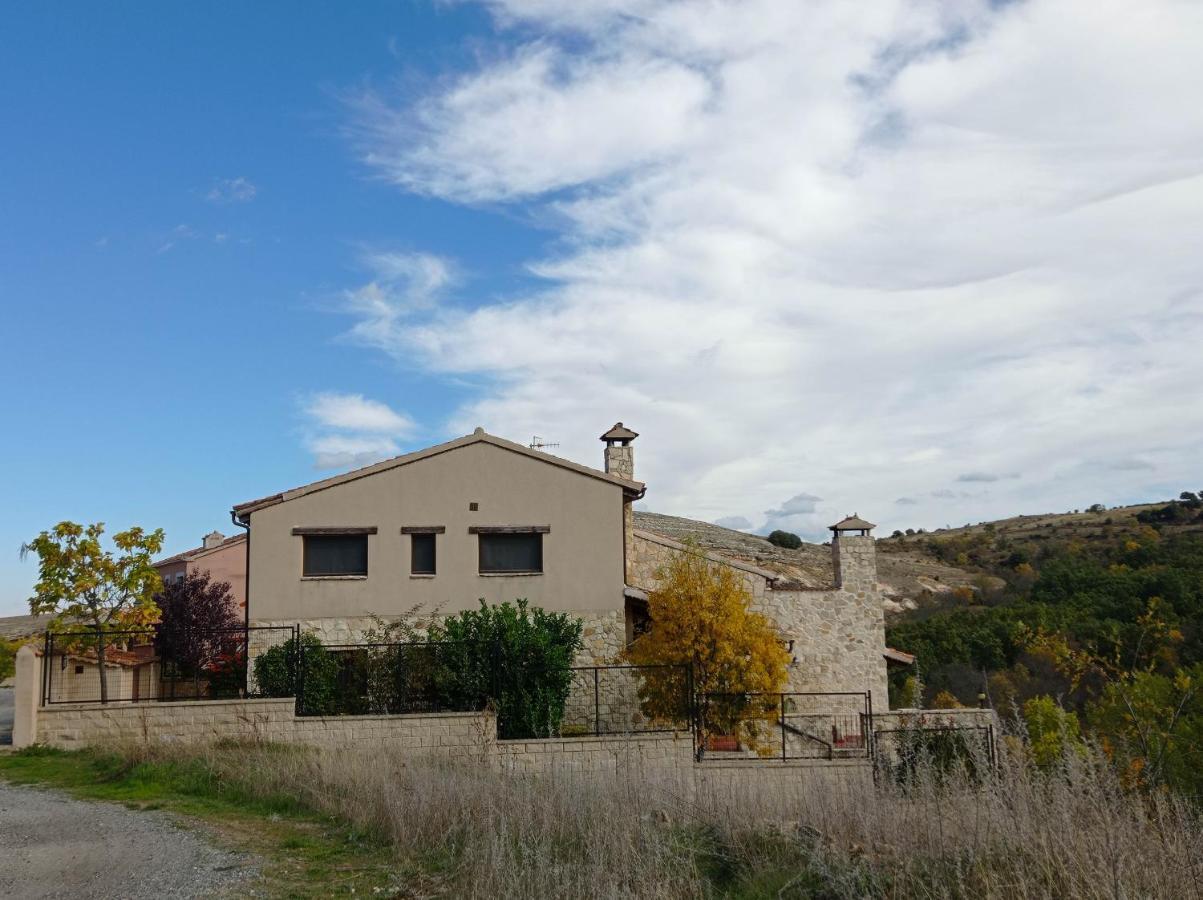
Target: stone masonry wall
point(838, 633)
point(641, 753)
point(75, 725)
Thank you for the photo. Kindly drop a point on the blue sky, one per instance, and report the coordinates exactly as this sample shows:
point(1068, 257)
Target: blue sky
point(156, 340)
point(932, 262)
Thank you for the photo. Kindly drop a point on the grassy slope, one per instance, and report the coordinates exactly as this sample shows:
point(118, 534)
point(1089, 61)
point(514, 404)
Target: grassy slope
point(306, 854)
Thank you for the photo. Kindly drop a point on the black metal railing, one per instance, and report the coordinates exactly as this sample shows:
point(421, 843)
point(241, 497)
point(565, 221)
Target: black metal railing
point(940, 749)
point(148, 664)
point(628, 699)
point(397, 678)
point(786, 725)
point(381, 679)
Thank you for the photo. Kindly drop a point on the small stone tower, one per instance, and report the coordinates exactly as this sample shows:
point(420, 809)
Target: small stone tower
point(854, 555)
point(620, 455)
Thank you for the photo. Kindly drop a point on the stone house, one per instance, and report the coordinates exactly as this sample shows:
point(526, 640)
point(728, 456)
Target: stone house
point(480, 517)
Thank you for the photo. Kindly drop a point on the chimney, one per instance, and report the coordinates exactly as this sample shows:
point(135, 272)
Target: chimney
point(620, 455)
point(212, 539)
point(854, 554)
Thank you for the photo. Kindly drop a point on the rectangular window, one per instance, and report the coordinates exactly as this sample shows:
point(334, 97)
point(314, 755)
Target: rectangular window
point(511, 553)
point(335, 554)
point(421, 554)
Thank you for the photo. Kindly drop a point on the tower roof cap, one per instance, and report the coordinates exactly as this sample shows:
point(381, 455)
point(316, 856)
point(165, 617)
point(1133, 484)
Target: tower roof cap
point(852, 523)
point(619, 432)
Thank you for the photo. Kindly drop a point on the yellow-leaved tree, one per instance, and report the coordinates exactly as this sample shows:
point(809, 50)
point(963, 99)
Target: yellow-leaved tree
point(85, 585)
point(702, 622)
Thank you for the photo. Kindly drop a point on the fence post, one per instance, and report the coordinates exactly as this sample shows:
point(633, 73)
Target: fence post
point(47, 655)
point(298, 664)
point(869, 719)
point(596, 703)
point(781, 700)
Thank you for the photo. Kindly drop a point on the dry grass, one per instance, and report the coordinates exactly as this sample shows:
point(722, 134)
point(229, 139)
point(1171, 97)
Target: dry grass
point(470, 832)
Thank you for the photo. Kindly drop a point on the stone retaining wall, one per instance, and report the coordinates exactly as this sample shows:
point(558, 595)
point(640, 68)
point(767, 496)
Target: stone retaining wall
point(612, 753)
point(75, 725)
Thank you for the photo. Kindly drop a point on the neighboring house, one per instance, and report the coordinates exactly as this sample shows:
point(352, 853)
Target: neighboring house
point(481, 517)
point(133, 674)
point(224, 558)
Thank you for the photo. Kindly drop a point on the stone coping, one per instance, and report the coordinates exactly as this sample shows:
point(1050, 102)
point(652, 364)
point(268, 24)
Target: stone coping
point(625, 737)
point(778, 763)
point(159, 704)
point(393, 717)
point(250, 701)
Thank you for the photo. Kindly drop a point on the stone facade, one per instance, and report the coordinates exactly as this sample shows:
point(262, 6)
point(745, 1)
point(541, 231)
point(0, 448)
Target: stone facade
point(838, 633)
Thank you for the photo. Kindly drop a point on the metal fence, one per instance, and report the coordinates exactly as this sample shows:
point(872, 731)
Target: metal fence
point(393, 678)
point(788, 725)
point(382, 679)
point(901, 752)
point(628, 700)
point(143, 665)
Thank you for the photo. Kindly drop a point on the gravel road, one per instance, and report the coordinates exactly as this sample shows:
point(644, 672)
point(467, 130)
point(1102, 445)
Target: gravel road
point(53, 846)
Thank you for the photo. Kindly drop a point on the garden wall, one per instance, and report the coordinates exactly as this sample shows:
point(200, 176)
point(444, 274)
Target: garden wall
point(74, 725)
point(641, 752)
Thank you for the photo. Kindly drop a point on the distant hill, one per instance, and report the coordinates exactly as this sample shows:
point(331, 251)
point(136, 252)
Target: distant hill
point(929, 572)
point(908, 575)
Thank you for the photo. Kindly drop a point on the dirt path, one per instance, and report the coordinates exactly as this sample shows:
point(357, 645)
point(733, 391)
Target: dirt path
point(53, 846)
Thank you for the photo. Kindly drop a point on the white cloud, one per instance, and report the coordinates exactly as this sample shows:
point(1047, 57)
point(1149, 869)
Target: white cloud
point(986, 477)
point(865, 246)
point(342, 451)
point(736, 523)
point(355, 412)
point(351, 430)
point(403, 287)
point(231, 190)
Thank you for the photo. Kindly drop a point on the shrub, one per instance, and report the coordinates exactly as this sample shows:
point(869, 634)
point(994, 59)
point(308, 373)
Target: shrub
point(276, 674)
point(516, 658)
point(8, 658)
point(1051, 730)
point(786, 539)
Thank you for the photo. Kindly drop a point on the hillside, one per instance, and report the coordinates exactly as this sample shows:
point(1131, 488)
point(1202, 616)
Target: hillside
point(910, 576)
point(926, 573)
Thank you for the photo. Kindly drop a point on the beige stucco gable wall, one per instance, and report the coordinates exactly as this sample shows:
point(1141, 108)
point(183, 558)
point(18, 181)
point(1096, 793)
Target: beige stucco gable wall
point(583, 552)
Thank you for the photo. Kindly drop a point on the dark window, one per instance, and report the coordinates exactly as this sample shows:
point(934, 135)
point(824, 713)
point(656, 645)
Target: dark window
point(421, 548)
point(336, 554)
point(511, 552)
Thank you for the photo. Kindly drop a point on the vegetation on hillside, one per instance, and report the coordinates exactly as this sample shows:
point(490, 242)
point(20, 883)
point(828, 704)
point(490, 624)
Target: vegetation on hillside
point(1110, 628)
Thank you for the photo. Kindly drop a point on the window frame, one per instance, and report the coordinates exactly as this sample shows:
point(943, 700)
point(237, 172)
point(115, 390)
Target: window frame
point(308, 533)
point(483, 532)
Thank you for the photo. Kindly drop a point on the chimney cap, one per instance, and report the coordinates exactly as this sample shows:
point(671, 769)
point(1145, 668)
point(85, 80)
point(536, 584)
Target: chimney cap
point(619, 433)
point(212, 539)
point(853, 523)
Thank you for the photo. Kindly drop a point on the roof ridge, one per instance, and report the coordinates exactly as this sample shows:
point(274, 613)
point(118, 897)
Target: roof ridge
point(477, 437)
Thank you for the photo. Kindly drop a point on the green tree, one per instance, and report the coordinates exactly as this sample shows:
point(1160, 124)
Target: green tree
point(82, 583)
point(1052, 731)
point(1152, 724)
point(786, 539)
point(514, 657)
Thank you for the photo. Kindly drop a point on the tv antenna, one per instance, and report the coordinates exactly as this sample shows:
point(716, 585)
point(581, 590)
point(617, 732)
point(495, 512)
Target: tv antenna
point(537, 443)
